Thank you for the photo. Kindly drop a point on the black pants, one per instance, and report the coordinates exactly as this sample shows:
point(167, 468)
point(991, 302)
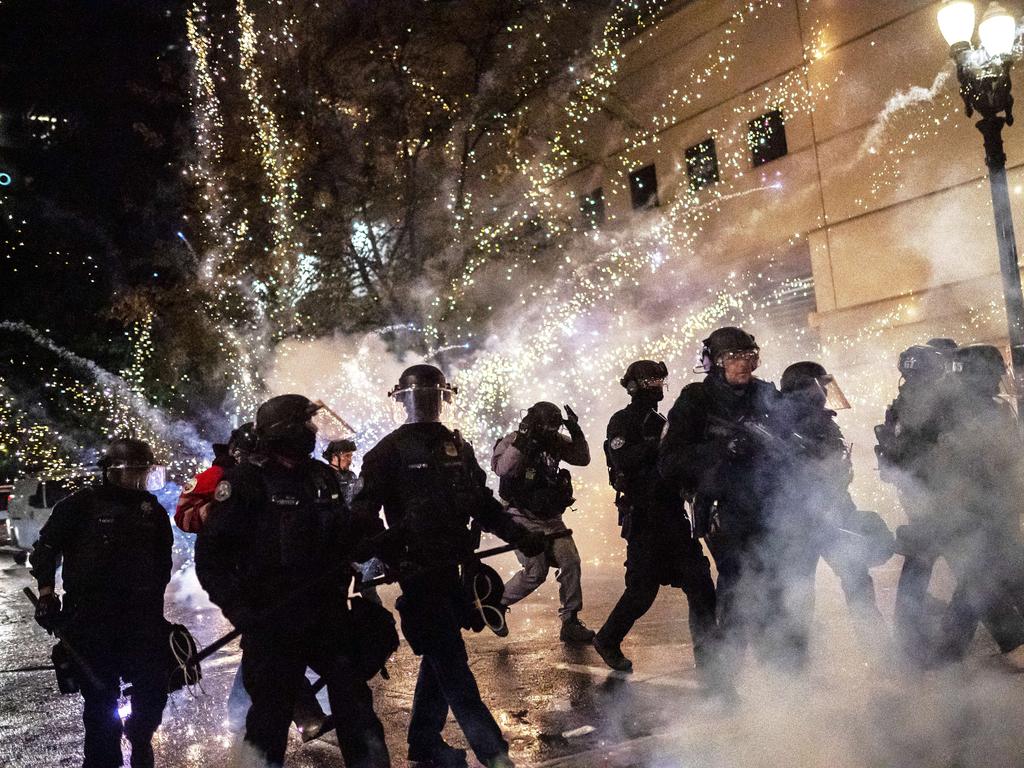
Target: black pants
point(129, 648)
point(765, 599)
point(985, 592)
point(308, 712)
point(663, 553)
point(274, 663)
point(431, 608)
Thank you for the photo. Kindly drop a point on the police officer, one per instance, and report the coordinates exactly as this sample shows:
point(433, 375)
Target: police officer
point(708, 452)
point(538, 492)
point(269, 556)
point(906, 448)
point(426, 478)
point(660, 548)
point(338, 454)
point(813, 514)
point(115, 541)
point(981, 492)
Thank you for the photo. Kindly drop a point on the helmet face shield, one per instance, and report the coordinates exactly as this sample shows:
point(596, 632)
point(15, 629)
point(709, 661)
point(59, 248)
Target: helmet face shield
point(835, 400)
point(413, 405)
point(136, 478)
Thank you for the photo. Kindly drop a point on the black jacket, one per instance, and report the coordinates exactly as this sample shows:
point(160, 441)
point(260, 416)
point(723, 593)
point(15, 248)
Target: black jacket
point(633, 436)
point(273, 532)
point(694, 456)
point(430, 486)
point(116, 548)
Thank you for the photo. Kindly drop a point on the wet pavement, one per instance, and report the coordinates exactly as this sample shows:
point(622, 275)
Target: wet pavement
point(560, 706)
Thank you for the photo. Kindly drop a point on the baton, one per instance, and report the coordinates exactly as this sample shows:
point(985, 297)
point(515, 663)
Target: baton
point(391, 579)
point(76, 657)
point(216, 645)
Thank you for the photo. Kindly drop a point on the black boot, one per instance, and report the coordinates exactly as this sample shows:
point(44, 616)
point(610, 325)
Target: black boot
point(575, 631)
point(442, 755)
point(612, 656)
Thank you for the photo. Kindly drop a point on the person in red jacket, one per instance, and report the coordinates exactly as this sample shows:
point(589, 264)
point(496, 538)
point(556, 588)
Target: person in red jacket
point(197, 495)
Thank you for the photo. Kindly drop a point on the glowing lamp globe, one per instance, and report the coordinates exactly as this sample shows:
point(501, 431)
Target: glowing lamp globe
point(997, 31)
point(956, 22)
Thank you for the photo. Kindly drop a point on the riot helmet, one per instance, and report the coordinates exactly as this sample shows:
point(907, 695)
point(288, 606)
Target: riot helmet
point(943, 344)
point(340, 450)
point(728, 341)
point(242, 441)
point(284, 425)
point(542, 419)
point(981, 368)
point(130, 463)
point(423, 393)
point(923, 362)
point(811, 381)
point(645, 379)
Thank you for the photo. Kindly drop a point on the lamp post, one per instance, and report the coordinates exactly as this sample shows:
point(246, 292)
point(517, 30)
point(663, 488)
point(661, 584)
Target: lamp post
point(984, 75)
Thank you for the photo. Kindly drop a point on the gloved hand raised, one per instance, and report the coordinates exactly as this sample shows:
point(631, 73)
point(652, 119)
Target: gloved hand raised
point(48, 611)
point(571, 420)
point(532, 543)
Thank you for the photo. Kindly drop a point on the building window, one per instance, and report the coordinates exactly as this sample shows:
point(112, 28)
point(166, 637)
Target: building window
point(643, 187)
point(592, 209)
point(766, 136)
point(702, 164)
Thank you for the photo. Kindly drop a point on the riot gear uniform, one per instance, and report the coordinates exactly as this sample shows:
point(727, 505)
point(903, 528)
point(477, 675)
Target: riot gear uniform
point(115, 542)
point(906, 448)
point(980, 533)
point(538, 492)
point(430, 486)
point(813, 515)
point(708, 454)
point(275, 538)
point(660, 547)
point(346, 477)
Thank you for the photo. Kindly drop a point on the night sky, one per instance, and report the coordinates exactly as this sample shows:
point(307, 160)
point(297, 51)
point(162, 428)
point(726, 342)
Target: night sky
point(93, 125)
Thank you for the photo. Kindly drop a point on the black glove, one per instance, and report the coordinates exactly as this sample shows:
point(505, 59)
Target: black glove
point(48, 612)
point(571, 419)
point(386, 546)
point(243, 618)
point(532, 543)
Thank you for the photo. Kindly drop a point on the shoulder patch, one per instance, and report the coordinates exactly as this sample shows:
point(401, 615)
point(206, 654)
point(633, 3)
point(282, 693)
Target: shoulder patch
point(616, 443)
point(450, 449)
point(223, 492)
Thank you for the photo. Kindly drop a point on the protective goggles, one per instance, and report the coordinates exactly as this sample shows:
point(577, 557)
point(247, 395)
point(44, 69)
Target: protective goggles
point(658, 383)
point(751, 356)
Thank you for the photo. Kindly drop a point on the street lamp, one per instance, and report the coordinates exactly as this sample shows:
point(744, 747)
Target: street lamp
point(984, 75)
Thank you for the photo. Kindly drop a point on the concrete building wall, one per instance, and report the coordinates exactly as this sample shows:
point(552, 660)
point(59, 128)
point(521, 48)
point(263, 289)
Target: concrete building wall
point(922, 239)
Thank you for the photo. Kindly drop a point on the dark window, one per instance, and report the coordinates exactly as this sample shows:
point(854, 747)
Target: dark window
point(592, 209)
point(702, 164)
point(766, 136)
point(643, 187)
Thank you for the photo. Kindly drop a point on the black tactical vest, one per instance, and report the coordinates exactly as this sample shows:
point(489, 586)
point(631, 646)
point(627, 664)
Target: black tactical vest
point(541, 488)
point(310, 511)
point(438, 494)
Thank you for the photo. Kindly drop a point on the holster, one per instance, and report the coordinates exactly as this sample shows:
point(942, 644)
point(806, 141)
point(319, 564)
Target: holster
point(65, 669)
